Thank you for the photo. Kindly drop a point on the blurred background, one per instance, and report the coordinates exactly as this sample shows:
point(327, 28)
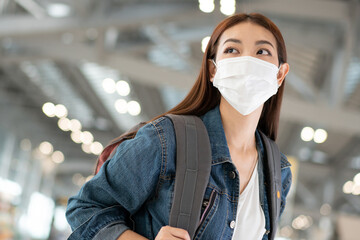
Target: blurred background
point(75, 74)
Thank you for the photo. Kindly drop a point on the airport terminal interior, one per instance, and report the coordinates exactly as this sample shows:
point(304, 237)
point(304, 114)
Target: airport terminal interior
point(75, 74)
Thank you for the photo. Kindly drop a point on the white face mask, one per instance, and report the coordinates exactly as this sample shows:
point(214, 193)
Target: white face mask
point(246, 82)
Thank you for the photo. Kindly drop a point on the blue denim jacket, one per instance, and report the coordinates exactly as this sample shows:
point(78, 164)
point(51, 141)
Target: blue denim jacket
point(134, 189)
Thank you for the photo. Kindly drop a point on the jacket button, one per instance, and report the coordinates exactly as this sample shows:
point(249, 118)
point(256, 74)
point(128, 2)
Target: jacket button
point(232, 175)
point(232, 224)
point(205, 203)
point(267, 232)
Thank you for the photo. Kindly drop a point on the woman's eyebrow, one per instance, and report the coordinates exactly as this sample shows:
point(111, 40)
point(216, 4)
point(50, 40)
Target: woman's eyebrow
point(263, 42)
point(232, 40)
point(259, 42)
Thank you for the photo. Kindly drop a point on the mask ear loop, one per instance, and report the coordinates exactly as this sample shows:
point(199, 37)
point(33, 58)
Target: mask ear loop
point(214, 62)
point(278, 73)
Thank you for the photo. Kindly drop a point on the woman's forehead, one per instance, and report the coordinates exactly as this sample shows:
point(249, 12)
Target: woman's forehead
point(247, 31)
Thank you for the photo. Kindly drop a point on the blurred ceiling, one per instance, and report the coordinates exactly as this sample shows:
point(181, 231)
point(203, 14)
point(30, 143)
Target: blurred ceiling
point(60, 52)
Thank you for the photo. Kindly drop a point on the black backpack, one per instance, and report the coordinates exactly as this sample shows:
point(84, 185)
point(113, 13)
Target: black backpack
point(193, 165)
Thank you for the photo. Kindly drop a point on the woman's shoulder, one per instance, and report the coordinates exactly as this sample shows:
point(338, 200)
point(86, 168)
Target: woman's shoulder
point(162, 122)
point(153, 143)
point(160, 129)
point(162, 125)
point(284, 161)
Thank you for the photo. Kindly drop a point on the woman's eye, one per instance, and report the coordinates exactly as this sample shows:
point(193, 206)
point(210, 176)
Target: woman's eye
point(231, 50)
point(264, 52)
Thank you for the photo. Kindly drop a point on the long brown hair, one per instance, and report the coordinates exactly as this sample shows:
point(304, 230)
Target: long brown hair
point(203, 96)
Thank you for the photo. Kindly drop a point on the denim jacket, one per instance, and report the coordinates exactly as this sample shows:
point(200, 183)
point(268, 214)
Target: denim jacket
point(134, 189)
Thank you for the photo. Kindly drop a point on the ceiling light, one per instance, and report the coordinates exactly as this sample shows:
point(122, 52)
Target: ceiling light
point(320, 136)
point(87, 137)
point(109, 85)
point(133, 108)
point(206, 6)
point(60, 111)
point(78, 179)
point(57, 157)
point(86, 148)
point(121, 106)
point(325, 209)
point(49, 109)
point(96, 148)
point(285, 232)
point(58, 10)
point(348, 187)
point(64, 124)
point(76, 136)
point(302, 222)
point(356, 190)
point(122, 88)
point(46, 148)
point(227, 7)
point(75, 125)
point(307, 134)
point(204, 43)
point(357, 179)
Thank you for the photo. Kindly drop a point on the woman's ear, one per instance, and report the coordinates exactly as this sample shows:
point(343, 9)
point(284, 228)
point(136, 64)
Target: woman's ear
point(283, 71)
point(212, 69)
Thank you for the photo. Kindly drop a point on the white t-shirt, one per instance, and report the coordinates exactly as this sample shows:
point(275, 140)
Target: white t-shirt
point(250, 218)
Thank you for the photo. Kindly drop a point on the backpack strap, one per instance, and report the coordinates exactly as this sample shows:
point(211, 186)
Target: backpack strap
point(193, 165)
point(274, 176)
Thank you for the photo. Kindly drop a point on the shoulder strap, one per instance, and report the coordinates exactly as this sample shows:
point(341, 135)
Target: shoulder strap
point(193, 165)
point(274, 170)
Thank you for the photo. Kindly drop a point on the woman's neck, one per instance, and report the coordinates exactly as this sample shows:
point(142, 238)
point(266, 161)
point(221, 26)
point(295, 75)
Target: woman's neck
point(239, 129)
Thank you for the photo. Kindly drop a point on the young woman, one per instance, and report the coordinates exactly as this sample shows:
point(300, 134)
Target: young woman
point(237, 94)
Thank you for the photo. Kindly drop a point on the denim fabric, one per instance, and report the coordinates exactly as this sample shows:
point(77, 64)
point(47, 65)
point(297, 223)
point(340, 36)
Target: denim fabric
point(134, 189)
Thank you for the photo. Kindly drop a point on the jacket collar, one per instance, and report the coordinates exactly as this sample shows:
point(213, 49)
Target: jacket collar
point(219, 148)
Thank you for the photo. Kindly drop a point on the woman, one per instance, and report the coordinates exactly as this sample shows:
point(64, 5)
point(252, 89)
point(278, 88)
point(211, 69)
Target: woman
point(237, 94)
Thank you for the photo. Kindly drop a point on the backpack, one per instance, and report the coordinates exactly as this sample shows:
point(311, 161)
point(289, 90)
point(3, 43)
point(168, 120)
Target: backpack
point(193, 165)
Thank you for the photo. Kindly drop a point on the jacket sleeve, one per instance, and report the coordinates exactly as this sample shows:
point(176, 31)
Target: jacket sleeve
point(104, 204)
point(286, 180)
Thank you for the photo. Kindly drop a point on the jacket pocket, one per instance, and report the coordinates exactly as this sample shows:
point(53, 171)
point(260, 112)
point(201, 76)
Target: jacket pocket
point(207, 210)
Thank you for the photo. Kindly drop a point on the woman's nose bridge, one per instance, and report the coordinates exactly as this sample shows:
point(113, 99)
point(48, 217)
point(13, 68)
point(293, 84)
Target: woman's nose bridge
point(248, 52)
point(248, 55)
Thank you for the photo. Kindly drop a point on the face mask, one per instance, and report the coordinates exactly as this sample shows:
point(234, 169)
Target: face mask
point(246, 82)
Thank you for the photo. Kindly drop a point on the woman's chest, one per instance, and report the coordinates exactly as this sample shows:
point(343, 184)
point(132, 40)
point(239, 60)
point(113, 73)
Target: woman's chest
point(245, 167)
